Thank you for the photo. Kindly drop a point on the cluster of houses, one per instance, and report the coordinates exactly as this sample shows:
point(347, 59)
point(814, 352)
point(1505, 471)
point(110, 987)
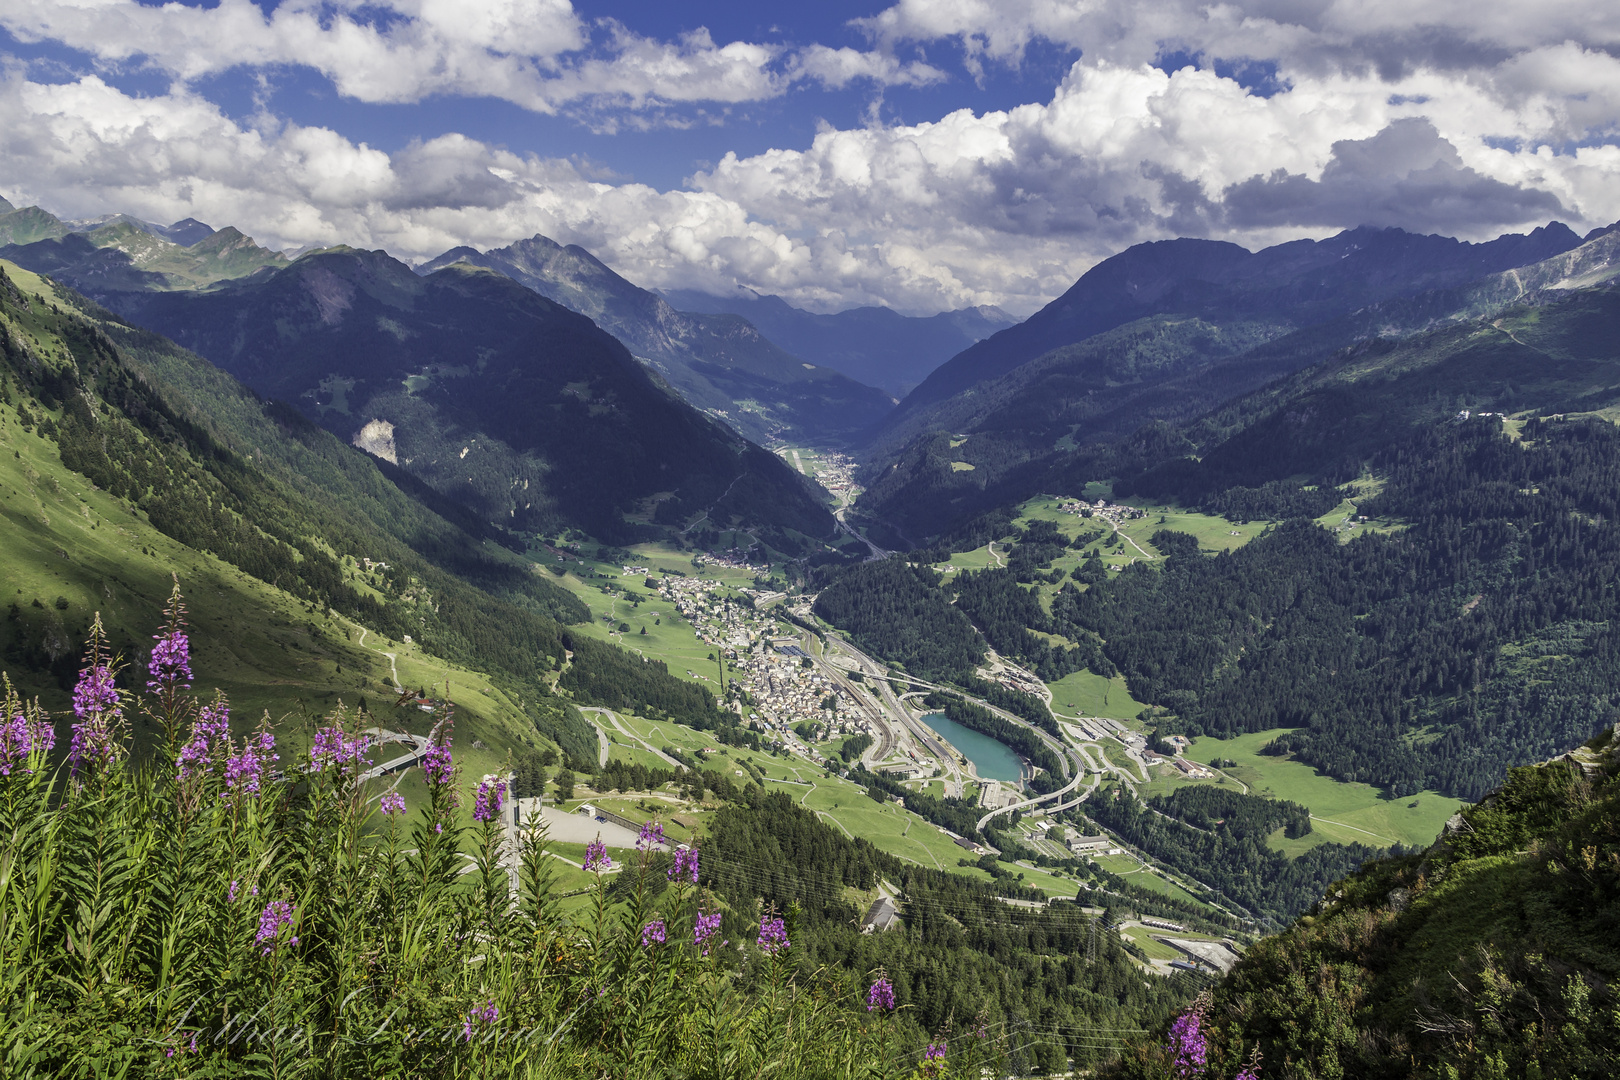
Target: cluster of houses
point(783, 691)
point(1102, 508)
point(837, 473)
point(1014, 678)
point(731, 560)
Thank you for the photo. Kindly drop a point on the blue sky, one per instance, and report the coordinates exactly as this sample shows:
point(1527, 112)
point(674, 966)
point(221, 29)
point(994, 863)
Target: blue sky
point(665, 154)
point(923, 154)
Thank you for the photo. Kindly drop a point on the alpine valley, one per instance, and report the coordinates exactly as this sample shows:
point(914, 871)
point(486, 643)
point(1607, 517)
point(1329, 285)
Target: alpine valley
point(1232, 646)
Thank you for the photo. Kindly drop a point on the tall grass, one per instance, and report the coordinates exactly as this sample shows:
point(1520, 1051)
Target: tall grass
point(213, 909)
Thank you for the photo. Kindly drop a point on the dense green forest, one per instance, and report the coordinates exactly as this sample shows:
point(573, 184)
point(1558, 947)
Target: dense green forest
point(1008, 613)
point(1231, 859)
point(1484, 625)
point(898, 612)
point(1224, 811)
point(964, 957)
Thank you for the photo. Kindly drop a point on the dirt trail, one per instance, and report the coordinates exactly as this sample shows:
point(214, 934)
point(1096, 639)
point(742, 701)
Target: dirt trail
point(393, 660)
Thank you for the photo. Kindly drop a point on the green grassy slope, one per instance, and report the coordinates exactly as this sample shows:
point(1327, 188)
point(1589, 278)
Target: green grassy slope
point(129, 460)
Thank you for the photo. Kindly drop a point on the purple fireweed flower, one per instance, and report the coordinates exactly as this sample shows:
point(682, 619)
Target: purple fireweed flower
point(1187, 1044)
point(880, 996)
point(436, 764)
point(95, 693)
point(487, 804)
point(276, 914)
point(686, 865)
point(210, 740)
point(96, 704)
point(1251, 1068)
point(652, 835)
point(935, 1051)
point(332, 746)
point(170, 665)
point(704, 930)
point(653, 933)
point(244, 772)
point(485, 1014)
point(772, 936)
point(392, 803)
point(230, 895)
point(20, 739)
point(596, 856)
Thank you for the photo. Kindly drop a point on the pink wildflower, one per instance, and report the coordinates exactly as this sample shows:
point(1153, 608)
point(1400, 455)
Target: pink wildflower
point(437, 767)
point(210, 740)
point(881, 995)
point(1187, 1044)
point(487, 1014)
point(170, 665)
point(245, 771)
point(333, 746)
point(96, 704)
point(20, 739)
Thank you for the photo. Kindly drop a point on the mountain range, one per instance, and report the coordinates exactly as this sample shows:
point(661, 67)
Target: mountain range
point(1165, 333)
point(873, 345)
point(500, 399)
point(721, 363)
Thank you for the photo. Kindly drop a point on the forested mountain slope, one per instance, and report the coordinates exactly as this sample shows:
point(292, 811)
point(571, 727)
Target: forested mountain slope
point(873, 345)
point(1064, 412)
point(498, 398)
point(130, 459)
point(1492, 954)
point(718, 361)
point(1292, 285)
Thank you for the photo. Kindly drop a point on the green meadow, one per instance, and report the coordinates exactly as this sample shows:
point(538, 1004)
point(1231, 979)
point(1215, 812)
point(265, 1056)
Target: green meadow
point(1346, 813)
point(1085, 693)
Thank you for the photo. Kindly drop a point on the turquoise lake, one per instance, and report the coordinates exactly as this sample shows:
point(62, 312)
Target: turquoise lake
point(993, 760)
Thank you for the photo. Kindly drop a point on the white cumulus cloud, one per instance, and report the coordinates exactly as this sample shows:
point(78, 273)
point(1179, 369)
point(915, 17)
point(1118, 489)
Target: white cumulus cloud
point(1464, 119)
point(538, 54)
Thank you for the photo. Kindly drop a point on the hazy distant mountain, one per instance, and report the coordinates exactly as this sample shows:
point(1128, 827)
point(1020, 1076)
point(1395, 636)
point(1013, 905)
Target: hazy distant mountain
point(500, 399)
point(28, 224)
point(872, 344)
point(718, 362)
point(123, 253)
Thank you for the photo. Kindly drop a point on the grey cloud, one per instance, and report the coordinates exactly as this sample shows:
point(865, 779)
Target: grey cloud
point(1406, 175)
